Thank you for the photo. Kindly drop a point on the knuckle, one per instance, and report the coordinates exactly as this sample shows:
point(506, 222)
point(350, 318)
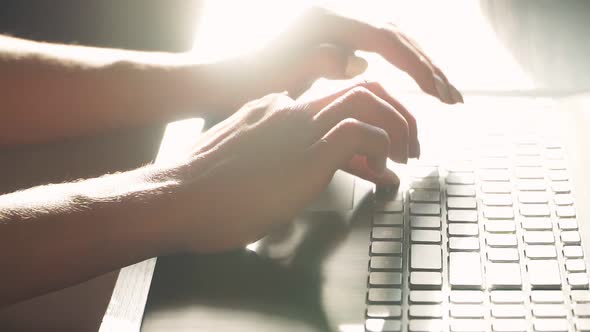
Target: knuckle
point(350, 127)
point(360, 94)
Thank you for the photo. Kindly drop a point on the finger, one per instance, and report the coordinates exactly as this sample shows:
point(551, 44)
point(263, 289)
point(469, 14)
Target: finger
point(359, 35)
point(455, 94)
point(362, 105)
point(377, 89)
point(350, 138)
point(358, 166)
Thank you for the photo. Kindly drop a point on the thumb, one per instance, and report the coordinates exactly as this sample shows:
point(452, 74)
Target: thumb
point(333, 62)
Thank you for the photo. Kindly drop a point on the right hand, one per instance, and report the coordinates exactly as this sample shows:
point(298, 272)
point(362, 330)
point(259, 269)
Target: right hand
point(266, 162)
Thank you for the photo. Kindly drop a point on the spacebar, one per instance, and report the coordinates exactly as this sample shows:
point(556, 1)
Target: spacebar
point(465, 270)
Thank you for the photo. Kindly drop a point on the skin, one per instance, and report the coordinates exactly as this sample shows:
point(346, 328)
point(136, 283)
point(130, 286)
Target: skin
point(70, 232)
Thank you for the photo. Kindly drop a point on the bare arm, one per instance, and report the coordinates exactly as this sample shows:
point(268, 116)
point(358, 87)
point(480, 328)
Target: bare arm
point(50, 91)
point(61, 234)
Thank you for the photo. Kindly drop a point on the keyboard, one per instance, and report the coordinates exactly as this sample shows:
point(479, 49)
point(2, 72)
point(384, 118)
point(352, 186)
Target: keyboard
point(488, 242)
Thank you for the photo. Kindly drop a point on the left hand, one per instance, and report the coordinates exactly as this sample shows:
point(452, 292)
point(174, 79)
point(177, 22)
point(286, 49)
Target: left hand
point(321, 43)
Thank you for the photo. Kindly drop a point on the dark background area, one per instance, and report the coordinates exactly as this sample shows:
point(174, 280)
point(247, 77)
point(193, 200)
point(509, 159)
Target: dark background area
point(135, 24)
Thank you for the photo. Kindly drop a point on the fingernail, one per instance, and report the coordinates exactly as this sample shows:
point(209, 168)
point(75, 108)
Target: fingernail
point(457, 97)
point(355, 66)
point(443, 89)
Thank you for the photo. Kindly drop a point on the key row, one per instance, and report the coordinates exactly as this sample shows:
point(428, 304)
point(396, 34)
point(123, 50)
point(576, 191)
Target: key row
point(394, 296)
point(477, 325)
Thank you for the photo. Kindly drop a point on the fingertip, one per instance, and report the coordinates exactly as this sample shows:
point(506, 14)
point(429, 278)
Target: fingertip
point(456, 95)
point(355, 66)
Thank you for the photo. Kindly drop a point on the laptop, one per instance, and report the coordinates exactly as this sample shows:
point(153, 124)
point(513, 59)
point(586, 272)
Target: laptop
point(486, 233)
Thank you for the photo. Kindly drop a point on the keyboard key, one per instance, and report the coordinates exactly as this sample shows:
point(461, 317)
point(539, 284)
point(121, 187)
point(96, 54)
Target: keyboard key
point(495, 175)
point(425, 209)
point(384, 295)
point(580, 296)
point(389, 206)
point(529, 172)
point(461, 203)
point(462, 215)
point(508, 311)
point(424, 172)
point(573, 252)
point(468, 325)
point(507, 297)
point(533, 197)
point(385, 279)
point(387, 233)
point(426, 257)
point(537, 224)
point(565, 211)
point(424, 196)
point(494, 163)
point(388, 219)
point(534, 210)
point(425, 311)
point(501, 240)
point(578, 280)
point(503, 275)
point(386, 248)
point(497, 199)
point(575, 265)
point(467, 311)
point(426, 183)
point(425, 222)
point(426, 296)
point(461, 190)
point(425, 236)
point(531, 185)
point(582, 309)
point(570, 237)
point(466, 297)
point(503, 255)
point(547, 296)
point(496, 187)
point(540, 252)
point(528, 161)
point(549, 311)
point(463, 229)
point(465, 270)
point(558, 175)
point(383, 325)
point(509, 325)
point(561, 187)
point(500, 226)
point(544, 274)
point(554, 154)
point(425, 325)
point(386, 263)
point(550, 325)
point(425, 280)
point(563, 199)
point(555, 164)
point(538, 237)
point(583, 324)
point(460, 178)
point(568, 224)
point(498, 212)
point(384, 311)
point(463, 244)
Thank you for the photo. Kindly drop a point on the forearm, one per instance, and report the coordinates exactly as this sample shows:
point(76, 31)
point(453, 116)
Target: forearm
point(50, 91)
point(58, 235)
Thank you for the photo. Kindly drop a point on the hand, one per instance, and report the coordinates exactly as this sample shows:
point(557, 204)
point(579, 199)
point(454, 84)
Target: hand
point(321, 44)
point(263, 164)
